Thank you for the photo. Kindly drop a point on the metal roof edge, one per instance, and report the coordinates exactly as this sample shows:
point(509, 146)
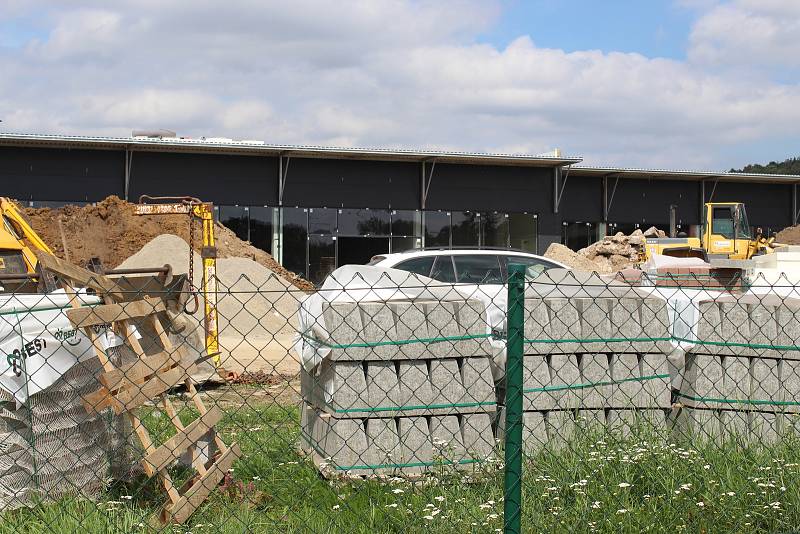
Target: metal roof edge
point(681, 173)
point(256, 148)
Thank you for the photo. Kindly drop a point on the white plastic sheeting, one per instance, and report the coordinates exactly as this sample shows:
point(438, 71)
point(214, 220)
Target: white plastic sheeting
point(38, 345)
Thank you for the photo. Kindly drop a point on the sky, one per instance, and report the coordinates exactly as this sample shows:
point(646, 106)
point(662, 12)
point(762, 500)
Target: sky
point(679, 84)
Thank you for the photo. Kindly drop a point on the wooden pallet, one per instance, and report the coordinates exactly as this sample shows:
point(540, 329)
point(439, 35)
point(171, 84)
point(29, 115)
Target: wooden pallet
point(127, 387)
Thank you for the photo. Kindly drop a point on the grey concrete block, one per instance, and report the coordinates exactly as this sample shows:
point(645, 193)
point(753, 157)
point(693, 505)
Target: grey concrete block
point(477, 381)
point(560, 428)
point(536, 376)
point(446, 382)
point(595, 369)
point(595, 323)
point(765, 428)
point(340, 385)
point(709, 325)
point(590, 420)
point(383, 444)
point(657, 391)
point(735, 426)
point(622, 423)
point(791, 424)
point(448, 445)
point(442, 323)
point(763, 327)
point(735, 325)
point(790, 383)
point(699, 425)
point(564, 372)
point(534, 432)
point(415, 384)
point(788, 321)
point(341, 443)
point(564, 324)
point(537, 327)
point(654, 316)
point(628, 392)
point(626, 321)
point(735, 381)
point(655, 420)
point(410, 324)
point(765, 383)
point(383, 386)
point(415, 444)
point(478, 439)
point(702, 379)
point(378, 326)
point(343, 324)
point(471, 317)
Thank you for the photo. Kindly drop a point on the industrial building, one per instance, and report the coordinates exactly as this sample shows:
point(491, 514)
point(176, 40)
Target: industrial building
point(315, 208)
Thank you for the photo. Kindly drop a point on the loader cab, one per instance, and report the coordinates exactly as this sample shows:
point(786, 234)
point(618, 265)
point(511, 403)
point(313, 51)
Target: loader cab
point(726, 230)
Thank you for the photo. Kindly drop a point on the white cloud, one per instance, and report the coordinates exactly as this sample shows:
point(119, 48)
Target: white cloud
point(400, 73)
point(748, 33)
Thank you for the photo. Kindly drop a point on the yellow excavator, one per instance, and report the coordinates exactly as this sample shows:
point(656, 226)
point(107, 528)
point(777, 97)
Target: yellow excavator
point(725, 234)
point(17, 241)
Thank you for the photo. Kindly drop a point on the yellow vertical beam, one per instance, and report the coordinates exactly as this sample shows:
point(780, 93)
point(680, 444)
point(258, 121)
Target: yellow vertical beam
point(206, 213)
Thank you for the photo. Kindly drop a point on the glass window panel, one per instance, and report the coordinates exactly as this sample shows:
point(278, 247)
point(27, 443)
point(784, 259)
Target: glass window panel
point(478, 269)
point(321, 257)
point(363, 222)
point(443, 270)
point(261, 227)
point(577, 235)
point(406, 223)
point(522, 231)
point(437, 229)
point(321, 221)
point(354, 250)
point(401, 244)
point(295, 222)
point(494, 229)
point(466, 226)
point(421, 266)
point(237, 219)
point(533, 266)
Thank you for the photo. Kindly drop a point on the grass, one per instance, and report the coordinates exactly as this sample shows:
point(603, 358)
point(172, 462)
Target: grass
point(595, 482)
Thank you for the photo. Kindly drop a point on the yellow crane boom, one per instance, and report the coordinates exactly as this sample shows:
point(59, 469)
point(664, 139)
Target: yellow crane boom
point(16, 240)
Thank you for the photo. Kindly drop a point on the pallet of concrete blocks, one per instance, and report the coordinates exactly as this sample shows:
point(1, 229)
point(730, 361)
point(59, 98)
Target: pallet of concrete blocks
point(407, 387)
point(741, 379)
point(604, 357)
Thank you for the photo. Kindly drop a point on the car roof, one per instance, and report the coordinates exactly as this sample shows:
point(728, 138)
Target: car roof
point(408, 254)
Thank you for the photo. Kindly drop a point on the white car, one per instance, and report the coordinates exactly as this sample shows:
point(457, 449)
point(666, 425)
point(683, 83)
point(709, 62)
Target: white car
point(466, 266)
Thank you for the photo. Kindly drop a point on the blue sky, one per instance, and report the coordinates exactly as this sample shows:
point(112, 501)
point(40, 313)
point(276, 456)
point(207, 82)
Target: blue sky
point(687, 84)
point(654, 28)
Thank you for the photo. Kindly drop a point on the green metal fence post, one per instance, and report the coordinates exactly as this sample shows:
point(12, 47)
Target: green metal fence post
point(513, 437)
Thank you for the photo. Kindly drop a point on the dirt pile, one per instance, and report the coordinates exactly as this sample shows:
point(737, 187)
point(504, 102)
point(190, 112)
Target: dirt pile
point(789, 236)
point(609, 255)
point(111, 231)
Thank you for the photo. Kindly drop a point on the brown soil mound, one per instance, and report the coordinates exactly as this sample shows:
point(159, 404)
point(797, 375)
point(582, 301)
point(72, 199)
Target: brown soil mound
point(112, 232)
point(789, 236)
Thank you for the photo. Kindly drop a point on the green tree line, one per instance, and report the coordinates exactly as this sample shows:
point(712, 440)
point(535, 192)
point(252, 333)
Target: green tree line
point(787, 166)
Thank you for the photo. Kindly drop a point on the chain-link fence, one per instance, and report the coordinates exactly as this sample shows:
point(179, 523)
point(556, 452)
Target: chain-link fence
point(388, 402)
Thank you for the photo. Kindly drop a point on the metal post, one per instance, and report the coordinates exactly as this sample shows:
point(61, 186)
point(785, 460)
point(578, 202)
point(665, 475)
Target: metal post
point(513, 424)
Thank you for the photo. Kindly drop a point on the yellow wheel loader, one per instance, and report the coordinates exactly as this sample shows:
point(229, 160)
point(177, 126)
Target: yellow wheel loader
point(725, 234)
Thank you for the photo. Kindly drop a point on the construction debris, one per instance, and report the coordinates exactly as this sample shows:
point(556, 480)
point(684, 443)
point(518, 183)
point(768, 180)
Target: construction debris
point(609, 255)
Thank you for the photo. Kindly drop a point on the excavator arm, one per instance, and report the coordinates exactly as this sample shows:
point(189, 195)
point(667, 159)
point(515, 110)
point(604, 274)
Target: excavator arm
point(17, 236)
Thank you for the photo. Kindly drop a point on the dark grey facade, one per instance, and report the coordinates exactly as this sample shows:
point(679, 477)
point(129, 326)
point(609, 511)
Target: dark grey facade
point(317, 208)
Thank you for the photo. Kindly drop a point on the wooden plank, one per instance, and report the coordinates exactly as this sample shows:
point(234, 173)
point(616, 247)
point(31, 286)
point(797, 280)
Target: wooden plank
point(134, 397)
point(172, 449)
point(108, 313)
point(197, 494)
point(82, 277)
point(132, 374)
